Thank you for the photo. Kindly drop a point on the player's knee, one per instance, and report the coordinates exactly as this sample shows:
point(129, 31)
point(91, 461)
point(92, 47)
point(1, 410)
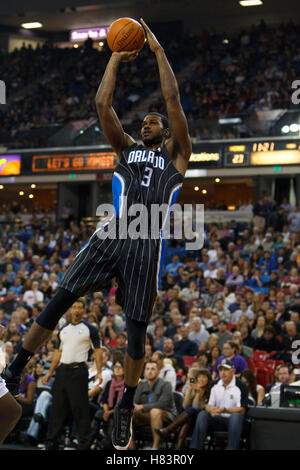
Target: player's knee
point(155, 412)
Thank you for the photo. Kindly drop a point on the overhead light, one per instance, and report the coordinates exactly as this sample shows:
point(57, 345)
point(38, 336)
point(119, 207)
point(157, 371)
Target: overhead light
point(21, 193)
point(35, 24)
point(196, 188)
point(204, 191)
point(225, 41)
point(33, 186)
point(75, 46)
point(217, 180)
point(250, 3)
point(101, 44)
point(1, 186)
point(231, 208)
point(285, 129)
point(31, 196)
point(236, 120)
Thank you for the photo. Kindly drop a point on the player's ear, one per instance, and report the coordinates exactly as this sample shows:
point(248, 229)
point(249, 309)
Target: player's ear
point(167, 133)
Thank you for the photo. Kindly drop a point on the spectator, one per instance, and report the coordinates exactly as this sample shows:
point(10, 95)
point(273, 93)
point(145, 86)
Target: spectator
point(169, 351)
point(223, 333)
point(33, 296)
point(268, 342)
point(256, 392)
point(154, 403)
point(185, 347)
point(159, 338)
point(166, 369)
point(226, 407)
point(283, 377)
point(229, 352)
point(111, 396)
point(198, 334)
point(195, 399)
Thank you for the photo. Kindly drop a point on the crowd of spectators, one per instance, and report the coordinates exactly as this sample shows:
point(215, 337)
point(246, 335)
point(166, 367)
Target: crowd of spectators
point(238, 294)
point(237, 73)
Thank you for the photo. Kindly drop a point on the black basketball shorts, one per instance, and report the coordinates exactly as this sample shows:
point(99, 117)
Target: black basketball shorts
point(136, 264)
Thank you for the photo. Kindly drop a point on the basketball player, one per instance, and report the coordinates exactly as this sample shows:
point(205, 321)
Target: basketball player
point(147, 174)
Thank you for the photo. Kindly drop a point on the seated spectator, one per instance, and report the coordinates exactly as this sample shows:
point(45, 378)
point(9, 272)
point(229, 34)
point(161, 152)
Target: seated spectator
point(153, 403)
point(27, 392)
point(213, 356)
point(258, 331)
point(173, 326)
point(10, 304)
point(110, 398)
point(223, 333)
point(111, 325)
point(212, 341)
point(242, 349)
point(33, 296)
point(229, 352)
point(256, 392)
point(235, 278)
point(281, 313)
point(191, 292)
point(210, 299)
point(172, 267)
point(207, 317)
point(121, 340)
point(270, 320)
point(220, 310)
point(159, 338)
point(169, 351)
point(195, 399)
point(223, 411)
point(215, 322)
point(283, 377)
point(247, 339)
point(166, 369)
point(185, 347)
point(198, 333)
point(244, 310)
point(268, 342)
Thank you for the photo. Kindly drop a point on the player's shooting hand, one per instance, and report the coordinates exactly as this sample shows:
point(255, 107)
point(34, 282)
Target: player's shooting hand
point(152, 41)
point(126, 56)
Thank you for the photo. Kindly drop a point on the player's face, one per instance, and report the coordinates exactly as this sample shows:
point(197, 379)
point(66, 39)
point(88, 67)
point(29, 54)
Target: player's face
point(152, 130)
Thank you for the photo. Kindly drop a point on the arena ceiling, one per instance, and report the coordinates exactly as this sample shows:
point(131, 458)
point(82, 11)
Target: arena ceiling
point(62, 15)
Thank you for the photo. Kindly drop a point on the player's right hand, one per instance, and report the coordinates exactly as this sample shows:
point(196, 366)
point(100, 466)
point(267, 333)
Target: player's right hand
point(126, 56)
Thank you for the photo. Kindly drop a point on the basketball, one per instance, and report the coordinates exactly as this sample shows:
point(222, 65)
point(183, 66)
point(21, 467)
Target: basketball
point(125, 34)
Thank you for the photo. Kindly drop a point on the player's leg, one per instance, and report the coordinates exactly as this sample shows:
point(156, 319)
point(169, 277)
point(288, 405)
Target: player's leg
point(10, 412)
point(134, 362)
point(38, 334)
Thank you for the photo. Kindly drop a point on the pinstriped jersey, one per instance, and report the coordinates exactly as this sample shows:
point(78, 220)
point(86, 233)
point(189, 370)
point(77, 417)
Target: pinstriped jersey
point(145, 177)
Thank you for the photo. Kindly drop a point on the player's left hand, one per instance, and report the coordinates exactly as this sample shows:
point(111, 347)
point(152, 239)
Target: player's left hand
point(126, 56)
point(152, 40)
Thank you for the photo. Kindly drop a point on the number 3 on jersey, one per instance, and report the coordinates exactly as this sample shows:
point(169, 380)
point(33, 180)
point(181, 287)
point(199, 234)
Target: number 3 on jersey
point(147, 176)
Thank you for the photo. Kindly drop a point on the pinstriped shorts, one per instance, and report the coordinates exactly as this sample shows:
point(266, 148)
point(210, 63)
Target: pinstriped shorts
point(136, 265)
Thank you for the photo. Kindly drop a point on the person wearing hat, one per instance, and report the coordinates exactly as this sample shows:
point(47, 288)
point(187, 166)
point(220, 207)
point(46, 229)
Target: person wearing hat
point(225, 410)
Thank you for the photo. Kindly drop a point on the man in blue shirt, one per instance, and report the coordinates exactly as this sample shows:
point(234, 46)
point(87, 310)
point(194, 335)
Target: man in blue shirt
point(171, 268)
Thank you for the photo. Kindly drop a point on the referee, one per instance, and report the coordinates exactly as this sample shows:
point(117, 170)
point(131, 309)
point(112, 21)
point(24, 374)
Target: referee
point(70, 388)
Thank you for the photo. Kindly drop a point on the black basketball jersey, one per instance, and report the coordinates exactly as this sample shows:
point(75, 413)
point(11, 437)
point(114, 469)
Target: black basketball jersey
point(146, 177)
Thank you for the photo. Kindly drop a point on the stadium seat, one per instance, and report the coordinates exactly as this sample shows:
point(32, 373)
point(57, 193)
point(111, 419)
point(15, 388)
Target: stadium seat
point(259, 355)
point(188, 360)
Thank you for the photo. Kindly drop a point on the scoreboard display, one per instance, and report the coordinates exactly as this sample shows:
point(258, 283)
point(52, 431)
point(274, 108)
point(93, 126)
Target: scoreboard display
point(262, 153)
point(205, 154)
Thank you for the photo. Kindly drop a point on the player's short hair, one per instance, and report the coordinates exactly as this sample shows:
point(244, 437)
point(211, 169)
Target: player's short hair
point(163, 118)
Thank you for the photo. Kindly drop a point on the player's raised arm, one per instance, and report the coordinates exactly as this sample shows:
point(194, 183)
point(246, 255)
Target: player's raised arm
point(179, 146)
point(109, 121)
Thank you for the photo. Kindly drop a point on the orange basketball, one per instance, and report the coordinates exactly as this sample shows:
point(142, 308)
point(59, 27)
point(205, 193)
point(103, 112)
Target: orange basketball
point(125, 34)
